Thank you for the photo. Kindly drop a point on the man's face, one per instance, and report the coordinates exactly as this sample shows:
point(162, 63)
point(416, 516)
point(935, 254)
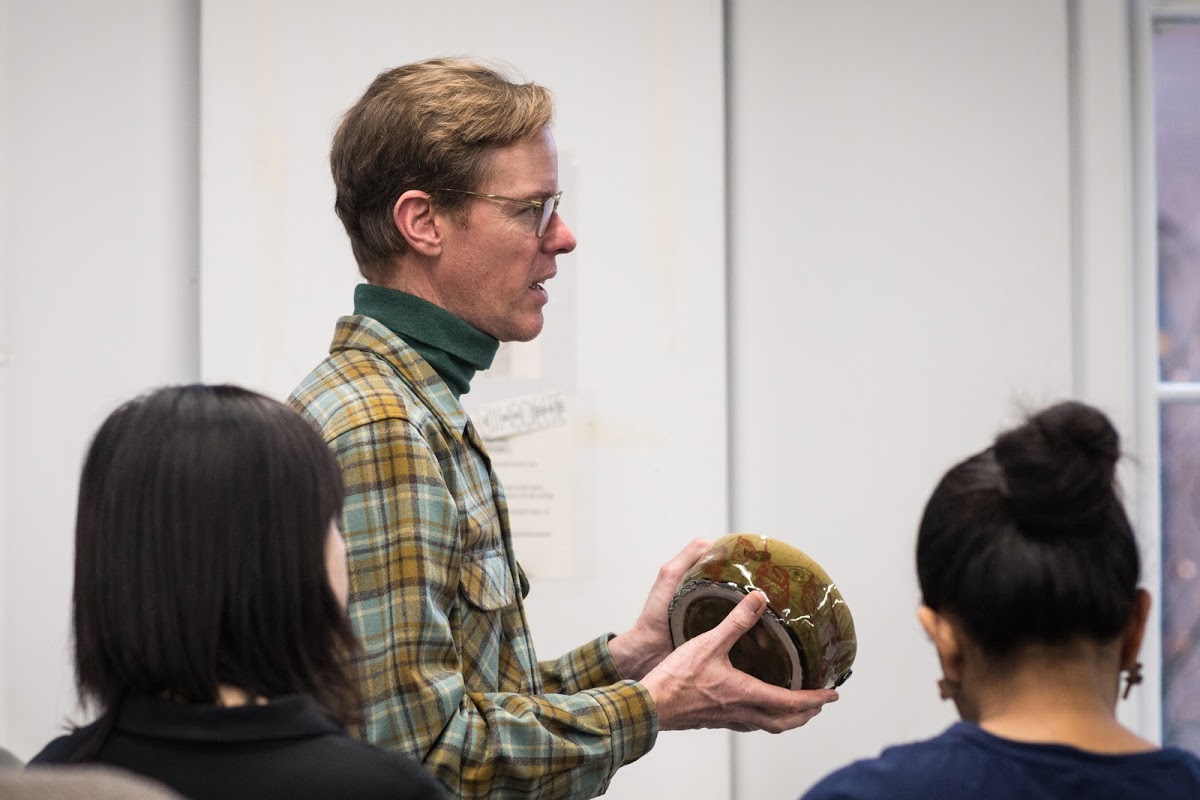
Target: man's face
point(493, 270)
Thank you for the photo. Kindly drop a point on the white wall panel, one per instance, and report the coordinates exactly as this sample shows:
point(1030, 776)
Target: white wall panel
point(99, 191)
point(5, 315)
point(900, 287)
point(640, 131)
point(1110, 354)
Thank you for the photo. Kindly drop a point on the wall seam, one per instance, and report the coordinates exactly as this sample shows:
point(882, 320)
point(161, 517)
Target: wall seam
point(1076, 290)
point(730, 364)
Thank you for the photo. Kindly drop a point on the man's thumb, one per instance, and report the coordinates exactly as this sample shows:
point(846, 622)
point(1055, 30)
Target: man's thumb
point(742, 618)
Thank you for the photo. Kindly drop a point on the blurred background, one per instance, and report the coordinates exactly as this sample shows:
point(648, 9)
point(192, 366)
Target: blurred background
point(827, 249)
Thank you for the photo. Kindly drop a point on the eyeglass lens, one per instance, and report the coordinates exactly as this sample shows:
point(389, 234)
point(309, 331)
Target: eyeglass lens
point(547, 213)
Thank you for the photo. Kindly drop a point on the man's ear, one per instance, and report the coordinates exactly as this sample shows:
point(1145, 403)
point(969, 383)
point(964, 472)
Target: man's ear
point(946, 641)
point(418, 222)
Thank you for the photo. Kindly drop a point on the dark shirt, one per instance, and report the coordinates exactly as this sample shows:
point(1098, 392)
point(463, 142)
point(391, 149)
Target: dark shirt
point(286, 748)
point(966, 761)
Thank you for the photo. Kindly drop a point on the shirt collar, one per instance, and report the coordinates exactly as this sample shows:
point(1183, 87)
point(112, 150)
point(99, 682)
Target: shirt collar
point(454, 348)
point(285, 717)
point(371, 336)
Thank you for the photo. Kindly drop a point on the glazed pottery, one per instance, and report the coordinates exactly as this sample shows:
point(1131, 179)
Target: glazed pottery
point(805, 639)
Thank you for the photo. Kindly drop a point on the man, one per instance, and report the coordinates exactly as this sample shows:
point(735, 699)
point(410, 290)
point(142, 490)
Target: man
point(447, 184)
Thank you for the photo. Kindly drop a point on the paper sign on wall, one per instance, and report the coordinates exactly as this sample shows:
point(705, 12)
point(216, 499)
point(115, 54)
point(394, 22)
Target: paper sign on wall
point(531, 441)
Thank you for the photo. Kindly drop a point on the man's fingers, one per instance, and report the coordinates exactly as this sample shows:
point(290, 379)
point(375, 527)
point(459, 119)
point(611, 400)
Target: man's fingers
point(754, 718)
point(775, 724)
point(779, 701)
point(685, 559)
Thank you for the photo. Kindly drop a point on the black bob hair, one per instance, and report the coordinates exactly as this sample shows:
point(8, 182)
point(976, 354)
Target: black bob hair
point(1027, 541)
point(200, 556)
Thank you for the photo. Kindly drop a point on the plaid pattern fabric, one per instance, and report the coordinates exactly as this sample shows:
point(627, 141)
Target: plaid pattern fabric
point(449, 671)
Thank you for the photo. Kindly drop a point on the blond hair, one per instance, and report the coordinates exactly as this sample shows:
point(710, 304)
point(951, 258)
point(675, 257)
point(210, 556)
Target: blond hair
point(428, 125)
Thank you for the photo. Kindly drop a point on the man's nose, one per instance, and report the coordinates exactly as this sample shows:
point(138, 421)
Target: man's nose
point(558, 237)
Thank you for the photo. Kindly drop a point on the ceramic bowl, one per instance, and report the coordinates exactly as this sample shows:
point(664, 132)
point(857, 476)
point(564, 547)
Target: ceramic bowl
point(805, 638)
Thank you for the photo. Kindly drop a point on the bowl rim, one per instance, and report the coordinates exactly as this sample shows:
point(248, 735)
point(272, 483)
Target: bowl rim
point(702, 588)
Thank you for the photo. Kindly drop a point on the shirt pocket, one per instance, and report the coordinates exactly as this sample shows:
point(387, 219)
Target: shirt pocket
point(486, 581)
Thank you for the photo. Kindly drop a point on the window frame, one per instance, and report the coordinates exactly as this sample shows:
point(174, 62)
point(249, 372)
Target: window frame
point(1151, 391)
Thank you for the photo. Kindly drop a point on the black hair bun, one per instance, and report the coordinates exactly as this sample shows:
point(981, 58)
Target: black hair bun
point(1058, 470)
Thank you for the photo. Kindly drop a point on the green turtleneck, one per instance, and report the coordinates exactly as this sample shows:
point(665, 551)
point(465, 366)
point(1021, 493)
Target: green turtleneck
point(454, 348)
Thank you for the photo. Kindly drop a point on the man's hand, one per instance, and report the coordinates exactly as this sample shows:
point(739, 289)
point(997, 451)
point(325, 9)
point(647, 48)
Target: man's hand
point(648, 642)
point(697, 687)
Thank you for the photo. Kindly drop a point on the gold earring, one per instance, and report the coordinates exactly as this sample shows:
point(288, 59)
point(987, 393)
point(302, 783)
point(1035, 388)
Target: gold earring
point(947, 688)
point(1133, 676)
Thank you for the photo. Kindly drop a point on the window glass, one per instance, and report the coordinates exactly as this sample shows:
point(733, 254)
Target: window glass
point(1177, 172)
point(1180, 580)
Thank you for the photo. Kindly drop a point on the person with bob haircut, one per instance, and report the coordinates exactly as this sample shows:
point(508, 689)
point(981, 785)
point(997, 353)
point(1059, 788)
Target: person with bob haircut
point(1028, 570)
point(209, 606)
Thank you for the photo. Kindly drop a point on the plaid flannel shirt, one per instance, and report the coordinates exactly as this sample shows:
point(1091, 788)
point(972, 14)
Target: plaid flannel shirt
point(449, 670)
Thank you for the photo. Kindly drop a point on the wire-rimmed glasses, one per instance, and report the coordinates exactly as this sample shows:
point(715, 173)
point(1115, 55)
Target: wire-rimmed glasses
point(546, 207)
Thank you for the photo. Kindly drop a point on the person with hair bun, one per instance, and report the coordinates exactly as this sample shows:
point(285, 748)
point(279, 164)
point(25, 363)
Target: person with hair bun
point(1028, 571)
point(209, 606)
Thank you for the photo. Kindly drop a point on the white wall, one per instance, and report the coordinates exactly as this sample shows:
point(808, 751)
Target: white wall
point(639, 123)
point(5, 302)
point(99, 257)
point(1114, 321)
point(902, 286)
point(914, 251)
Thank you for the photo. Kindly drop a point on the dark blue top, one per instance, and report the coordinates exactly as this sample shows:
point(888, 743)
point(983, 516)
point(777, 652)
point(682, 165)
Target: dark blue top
point(966, 761)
